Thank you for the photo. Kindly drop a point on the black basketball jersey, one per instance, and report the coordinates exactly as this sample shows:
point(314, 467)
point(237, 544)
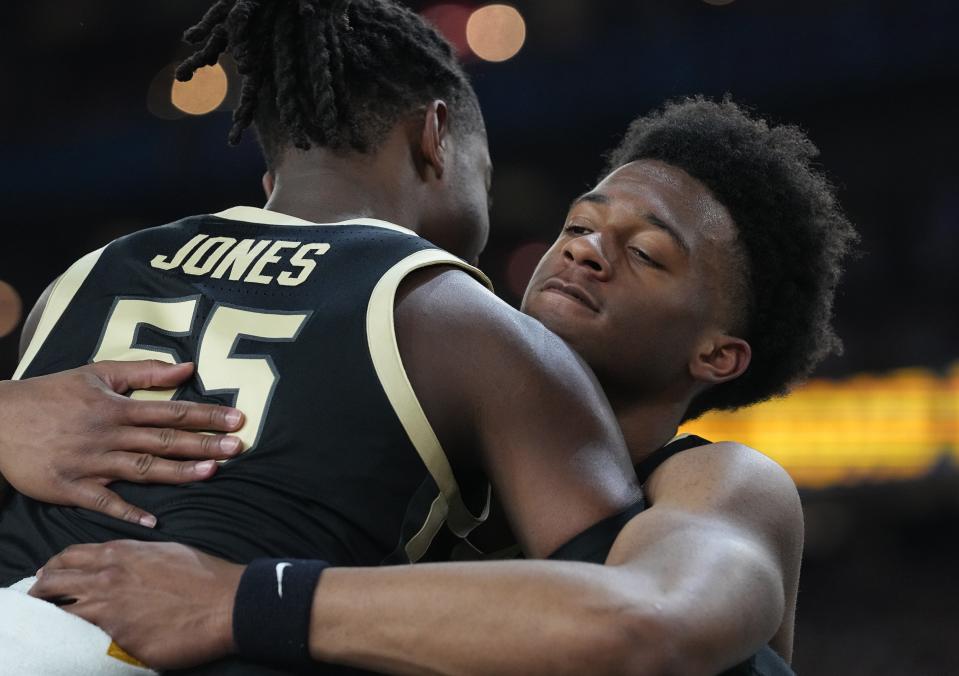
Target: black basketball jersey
point(292, 322)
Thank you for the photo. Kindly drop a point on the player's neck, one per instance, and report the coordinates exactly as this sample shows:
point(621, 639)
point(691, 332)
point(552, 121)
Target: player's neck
point(323, 187)
point(647, 425)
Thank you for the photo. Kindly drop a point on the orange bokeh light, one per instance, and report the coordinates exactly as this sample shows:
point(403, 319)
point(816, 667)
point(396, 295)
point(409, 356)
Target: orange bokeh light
point(496, 32)
point(203, 94)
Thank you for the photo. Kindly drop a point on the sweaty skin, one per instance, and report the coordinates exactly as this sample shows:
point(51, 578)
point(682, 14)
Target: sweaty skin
point(695, 584)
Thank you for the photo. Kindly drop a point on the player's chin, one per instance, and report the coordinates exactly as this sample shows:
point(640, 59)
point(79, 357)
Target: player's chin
point(570, 319)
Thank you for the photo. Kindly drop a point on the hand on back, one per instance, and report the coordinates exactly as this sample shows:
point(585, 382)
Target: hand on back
point(66, 436)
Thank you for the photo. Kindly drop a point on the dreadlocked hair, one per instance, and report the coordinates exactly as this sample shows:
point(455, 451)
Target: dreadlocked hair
point(791, 234)
point(335, 74)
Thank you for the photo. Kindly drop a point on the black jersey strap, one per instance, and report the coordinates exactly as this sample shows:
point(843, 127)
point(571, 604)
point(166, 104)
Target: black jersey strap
point(594, 543)
point(681, 443)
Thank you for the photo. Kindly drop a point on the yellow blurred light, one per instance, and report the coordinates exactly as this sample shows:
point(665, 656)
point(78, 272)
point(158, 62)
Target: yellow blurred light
point(496, 32)
point(203, 94)
point(867, 427)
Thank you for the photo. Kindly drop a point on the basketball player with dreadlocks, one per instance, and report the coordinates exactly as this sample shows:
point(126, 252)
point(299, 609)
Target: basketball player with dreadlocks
point(379, 377)
point(558, 590)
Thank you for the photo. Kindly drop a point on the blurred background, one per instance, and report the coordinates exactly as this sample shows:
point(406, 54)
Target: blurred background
point(96, 143)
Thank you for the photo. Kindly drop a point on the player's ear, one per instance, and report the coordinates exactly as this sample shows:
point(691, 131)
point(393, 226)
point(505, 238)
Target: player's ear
point(269, 182)
point(433, 141)
point(719, 359)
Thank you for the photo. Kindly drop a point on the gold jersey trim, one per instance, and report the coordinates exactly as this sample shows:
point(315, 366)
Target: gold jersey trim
point(64, 289)
point(388, 364)
point(417, 545)
point(265, 217)
point(118, 653)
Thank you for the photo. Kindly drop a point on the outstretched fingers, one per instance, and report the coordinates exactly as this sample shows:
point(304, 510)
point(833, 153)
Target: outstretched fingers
point(171, 443)
point(146, 468)
point(184, 415)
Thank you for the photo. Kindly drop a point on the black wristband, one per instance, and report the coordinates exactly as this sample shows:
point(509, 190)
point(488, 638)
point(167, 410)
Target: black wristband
point(271, 615)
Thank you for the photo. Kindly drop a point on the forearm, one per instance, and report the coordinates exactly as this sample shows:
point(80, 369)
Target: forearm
point(522, 617)
point(678, 594)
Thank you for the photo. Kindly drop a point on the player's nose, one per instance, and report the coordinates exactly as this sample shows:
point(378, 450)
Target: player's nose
point(587, 252)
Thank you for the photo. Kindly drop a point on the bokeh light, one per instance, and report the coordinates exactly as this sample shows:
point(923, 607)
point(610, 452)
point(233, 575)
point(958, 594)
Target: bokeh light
point(450, 20)
point(496, 32)
point(521, 264)
point(11, 309)
point(868, 427)
point(203, 94)
point(158, 95)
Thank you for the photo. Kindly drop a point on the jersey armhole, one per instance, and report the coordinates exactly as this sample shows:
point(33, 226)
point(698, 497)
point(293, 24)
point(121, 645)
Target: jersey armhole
point(594, 544)
point(388, 364)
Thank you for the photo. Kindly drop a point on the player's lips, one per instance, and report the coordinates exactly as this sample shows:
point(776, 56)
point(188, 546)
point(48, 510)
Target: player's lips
point(574, 291)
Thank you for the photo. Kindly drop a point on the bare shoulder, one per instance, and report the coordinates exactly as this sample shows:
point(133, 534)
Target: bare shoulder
point(745, 494)
point(726, 512)
point(726, 475)
point(739, 489)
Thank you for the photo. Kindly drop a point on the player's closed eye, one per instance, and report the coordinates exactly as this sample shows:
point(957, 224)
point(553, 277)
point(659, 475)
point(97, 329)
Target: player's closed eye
point(645, 257)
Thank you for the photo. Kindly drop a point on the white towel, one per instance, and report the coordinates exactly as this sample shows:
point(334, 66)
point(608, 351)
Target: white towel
point(39, 639)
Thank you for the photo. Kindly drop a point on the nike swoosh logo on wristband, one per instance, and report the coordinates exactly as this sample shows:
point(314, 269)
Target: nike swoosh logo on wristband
point(280, 569)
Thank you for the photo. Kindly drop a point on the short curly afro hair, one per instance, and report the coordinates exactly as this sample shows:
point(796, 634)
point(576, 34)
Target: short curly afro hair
point(791, 230)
